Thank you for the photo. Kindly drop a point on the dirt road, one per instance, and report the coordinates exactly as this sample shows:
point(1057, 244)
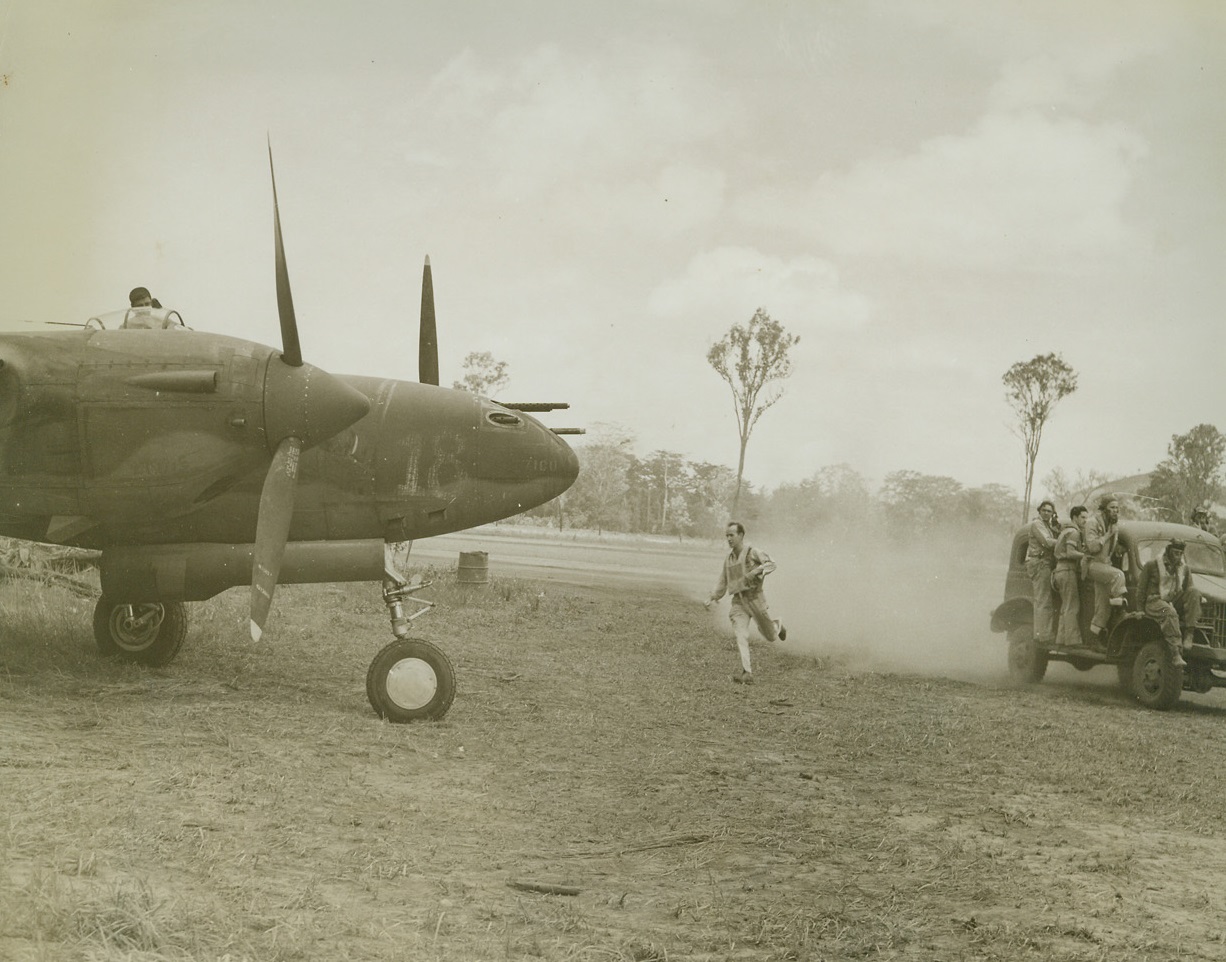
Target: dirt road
point(574, 560)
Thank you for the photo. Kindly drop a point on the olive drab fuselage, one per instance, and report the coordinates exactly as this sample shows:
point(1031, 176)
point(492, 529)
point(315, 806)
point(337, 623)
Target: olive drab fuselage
point(135, 437)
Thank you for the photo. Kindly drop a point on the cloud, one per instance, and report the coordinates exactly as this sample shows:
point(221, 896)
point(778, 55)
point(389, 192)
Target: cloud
point(1018, 190)
point(552, 115)
point(802, 292)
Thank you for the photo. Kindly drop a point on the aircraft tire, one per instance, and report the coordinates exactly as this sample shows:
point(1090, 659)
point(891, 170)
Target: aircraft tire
point(150, 633)
point(410, 680)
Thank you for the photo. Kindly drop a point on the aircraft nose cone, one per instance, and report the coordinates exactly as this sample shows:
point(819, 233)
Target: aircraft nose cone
point(308, 403)
point(568, 470)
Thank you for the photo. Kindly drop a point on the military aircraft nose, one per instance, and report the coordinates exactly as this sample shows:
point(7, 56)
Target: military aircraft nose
point(568, 468)
point(515, 447)
point(308, 403)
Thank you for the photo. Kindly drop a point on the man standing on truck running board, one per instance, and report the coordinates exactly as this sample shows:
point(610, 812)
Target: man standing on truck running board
point(1166, 594)
point(1040, 564)
point(1109, 590)
point(741, 577)
point(1069, 550)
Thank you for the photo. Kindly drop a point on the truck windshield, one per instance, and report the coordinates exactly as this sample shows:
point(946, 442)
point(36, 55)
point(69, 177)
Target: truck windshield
point(1205, 559)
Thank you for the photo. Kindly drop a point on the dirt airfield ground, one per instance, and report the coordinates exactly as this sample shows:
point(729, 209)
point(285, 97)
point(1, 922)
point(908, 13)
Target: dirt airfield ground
point(882, 792)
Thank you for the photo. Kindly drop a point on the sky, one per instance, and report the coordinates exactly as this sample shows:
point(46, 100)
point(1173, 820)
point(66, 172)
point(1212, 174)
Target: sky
point(925, 191)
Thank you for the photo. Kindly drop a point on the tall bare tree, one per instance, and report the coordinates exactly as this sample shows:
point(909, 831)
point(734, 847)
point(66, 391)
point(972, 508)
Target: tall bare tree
point(749, 357)
point(1033, 388)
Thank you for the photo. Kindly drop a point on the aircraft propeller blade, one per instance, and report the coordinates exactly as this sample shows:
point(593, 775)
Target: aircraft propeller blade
point(302, 407)
point(427, 343)
point(272, 529)
point(291, 350)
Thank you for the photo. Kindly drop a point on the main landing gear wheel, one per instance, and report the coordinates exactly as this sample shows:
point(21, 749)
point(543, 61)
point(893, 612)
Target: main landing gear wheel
point(151, 633)
point(410, 680)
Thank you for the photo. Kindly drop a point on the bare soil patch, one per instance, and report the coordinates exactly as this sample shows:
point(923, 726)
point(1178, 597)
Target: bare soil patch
point(246, 804)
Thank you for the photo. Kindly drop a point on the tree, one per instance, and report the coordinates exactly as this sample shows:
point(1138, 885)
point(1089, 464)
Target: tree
point(666, 473)
point(748, 358)
point(483, 375)
point(835, 495)
point(992, 504)
point(713, 490)
point(598, 497)
point(1192, 472)
point(918, 503)
point(678, 521)
point(1070, 492)
point(1033, 388)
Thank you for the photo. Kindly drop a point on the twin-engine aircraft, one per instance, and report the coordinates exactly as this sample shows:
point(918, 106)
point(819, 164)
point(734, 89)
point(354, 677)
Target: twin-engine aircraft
point(197, 462)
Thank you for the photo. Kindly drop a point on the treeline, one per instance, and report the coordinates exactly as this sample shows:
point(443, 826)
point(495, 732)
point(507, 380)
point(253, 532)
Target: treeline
point(664, 493)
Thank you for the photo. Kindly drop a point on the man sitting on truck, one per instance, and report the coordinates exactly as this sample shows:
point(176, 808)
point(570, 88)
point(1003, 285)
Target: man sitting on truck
point(1166, 594)
point(1101, 536)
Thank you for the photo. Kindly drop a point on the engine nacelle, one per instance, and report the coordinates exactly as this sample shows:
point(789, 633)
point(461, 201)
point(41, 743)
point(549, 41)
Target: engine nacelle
point(196, 572)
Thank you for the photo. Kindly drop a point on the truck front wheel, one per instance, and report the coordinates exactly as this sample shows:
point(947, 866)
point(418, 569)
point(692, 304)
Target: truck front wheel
point(1156, 683)
point(1027, 661)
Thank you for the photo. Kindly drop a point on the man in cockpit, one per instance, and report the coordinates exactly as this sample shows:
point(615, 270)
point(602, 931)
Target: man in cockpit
point(141, 314)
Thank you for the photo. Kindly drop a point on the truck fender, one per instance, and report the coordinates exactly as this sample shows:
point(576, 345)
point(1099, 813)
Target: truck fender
point(1131, 632)
point(1013, 614)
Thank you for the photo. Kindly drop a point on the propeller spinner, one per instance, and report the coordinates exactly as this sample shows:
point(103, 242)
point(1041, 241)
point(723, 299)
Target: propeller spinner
point(303, 406)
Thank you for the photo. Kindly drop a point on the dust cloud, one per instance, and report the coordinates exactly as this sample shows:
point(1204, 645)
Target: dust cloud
point(876, 605)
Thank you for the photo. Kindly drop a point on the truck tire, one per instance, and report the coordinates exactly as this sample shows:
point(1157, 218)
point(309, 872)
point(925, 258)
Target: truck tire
point(1155, 682)
point(1027, 661)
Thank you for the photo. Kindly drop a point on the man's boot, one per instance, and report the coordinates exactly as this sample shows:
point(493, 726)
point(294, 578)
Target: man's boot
point(1176, 656)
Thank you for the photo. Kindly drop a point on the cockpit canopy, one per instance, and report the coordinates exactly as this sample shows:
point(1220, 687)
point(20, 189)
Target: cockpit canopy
point(139, 319)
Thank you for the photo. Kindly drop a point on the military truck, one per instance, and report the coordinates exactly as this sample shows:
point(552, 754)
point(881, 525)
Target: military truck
point(1132, 642)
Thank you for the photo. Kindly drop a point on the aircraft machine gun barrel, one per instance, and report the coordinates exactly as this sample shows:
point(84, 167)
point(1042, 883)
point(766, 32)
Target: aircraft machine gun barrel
point(538, 407)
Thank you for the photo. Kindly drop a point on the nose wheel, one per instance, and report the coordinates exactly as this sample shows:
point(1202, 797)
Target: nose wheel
point(410, 679)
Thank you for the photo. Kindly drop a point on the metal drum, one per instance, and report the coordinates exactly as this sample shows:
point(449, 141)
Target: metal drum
point(474, 568)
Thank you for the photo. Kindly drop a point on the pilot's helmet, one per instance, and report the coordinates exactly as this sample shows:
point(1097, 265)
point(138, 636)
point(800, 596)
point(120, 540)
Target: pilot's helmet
point(140, 297)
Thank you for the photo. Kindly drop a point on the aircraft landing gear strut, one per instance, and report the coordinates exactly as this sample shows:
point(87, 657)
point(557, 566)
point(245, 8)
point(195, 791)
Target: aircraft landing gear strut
point(410, 679)
point(149, 633)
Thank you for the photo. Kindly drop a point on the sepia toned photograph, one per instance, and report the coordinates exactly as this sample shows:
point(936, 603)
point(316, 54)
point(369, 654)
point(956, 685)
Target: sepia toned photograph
point(612, 482)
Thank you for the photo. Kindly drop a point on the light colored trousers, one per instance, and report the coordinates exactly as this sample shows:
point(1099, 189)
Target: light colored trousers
point(1108, 583)
point(1068, 635)
point(749, 608)
point(1186, 609)
point(1040, 582)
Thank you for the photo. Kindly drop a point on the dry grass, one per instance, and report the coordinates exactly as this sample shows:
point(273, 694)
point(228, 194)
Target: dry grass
point(245, 803)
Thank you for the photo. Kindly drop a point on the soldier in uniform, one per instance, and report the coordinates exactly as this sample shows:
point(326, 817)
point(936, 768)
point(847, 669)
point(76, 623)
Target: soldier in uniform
point(1201, 519)
point(1101, 537)
point(741, 577)
point(1167, 595)
point(1040, 563)
point(1069, 550)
